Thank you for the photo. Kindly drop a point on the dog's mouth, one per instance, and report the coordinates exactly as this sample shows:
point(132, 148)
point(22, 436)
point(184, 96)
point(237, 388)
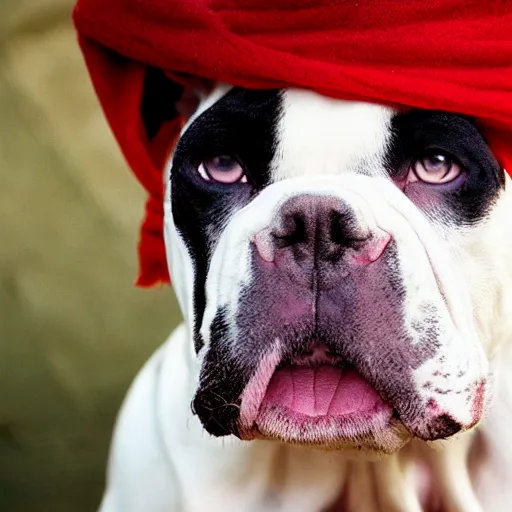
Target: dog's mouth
point(317, 398)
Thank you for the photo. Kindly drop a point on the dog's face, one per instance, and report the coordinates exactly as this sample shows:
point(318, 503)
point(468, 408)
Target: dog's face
point(338, 266)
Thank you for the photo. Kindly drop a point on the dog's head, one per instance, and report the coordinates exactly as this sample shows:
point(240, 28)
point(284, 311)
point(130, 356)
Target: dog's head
point(339, 265)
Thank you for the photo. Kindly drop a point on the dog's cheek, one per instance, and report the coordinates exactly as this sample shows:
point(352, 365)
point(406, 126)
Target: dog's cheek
point(180, 264)
point(485, 256)
point(226, 369)
point(226, 357)
point(453, 389)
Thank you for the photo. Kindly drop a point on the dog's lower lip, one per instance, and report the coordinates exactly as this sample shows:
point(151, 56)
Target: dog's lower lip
point(317, 399)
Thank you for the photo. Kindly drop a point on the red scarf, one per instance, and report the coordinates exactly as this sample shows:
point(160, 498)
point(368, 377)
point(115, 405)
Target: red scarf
point(453, 55)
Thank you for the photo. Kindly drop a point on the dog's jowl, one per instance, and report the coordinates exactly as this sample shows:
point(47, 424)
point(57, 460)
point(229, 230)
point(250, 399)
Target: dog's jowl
point(343, 270)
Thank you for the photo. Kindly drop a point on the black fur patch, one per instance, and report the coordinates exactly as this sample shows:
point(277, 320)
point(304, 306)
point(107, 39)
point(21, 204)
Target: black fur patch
point(418, 132)
point(242, 124)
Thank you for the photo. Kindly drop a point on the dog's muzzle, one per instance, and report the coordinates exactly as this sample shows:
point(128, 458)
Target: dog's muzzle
point(341, 337)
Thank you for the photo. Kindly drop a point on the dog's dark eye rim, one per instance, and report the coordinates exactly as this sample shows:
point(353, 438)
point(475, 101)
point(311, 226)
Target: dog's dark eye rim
point(245, 175)
point(207, 176)
point(432, 152)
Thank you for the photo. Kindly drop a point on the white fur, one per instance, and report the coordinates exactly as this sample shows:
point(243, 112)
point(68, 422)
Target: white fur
point(161, 458)
point(315, 142)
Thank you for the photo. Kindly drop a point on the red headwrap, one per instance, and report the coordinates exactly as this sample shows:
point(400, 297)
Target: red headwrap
point(453, 55)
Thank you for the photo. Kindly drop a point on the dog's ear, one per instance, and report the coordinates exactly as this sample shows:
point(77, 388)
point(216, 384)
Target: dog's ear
point(167, 102)
point(166, 97)
point(195, 90)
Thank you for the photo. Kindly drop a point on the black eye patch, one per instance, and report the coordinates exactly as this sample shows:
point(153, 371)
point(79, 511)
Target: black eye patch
point(421, 132)
point(242, 124)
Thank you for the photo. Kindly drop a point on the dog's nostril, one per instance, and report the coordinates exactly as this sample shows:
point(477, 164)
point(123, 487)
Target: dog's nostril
point(338, 233)
point(341, 231)
point(292, 231)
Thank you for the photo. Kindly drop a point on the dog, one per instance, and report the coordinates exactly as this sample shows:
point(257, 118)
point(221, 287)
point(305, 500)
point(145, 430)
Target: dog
point(344, 271)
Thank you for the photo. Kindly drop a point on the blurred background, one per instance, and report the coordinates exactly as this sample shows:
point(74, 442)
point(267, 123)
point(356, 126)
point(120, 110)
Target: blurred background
point(73, 329)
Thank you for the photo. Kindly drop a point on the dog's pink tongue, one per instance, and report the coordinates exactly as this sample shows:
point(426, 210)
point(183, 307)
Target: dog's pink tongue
point(321, 390)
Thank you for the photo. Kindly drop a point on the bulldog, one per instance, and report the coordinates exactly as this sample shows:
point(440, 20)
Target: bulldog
point(344, 272)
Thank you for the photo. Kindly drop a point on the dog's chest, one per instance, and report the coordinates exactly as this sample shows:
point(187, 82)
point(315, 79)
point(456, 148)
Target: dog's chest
point(298, 481)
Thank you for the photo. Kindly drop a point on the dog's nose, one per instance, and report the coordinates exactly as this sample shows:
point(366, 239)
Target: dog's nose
point(313, 224)
point(313, 231)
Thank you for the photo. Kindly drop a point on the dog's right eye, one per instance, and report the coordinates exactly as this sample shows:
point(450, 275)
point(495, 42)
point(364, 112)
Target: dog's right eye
point(434, 169)
point(222, 169)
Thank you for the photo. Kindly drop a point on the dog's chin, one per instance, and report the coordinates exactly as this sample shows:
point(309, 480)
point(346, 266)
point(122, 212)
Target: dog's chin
point(320, 402)
point(373, 434)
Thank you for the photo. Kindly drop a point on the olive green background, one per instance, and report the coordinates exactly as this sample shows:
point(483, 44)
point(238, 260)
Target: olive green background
point(73, 328)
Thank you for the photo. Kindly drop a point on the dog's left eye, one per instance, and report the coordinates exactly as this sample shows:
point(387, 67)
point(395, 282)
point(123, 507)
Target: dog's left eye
point(222, 169)
point(434, 168)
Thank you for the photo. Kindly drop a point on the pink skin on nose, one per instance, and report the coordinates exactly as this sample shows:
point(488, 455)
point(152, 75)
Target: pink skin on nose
point(371, 251)
point(264, 244)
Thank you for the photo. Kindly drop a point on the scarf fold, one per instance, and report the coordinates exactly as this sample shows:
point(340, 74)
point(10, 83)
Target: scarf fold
point(453, 55)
